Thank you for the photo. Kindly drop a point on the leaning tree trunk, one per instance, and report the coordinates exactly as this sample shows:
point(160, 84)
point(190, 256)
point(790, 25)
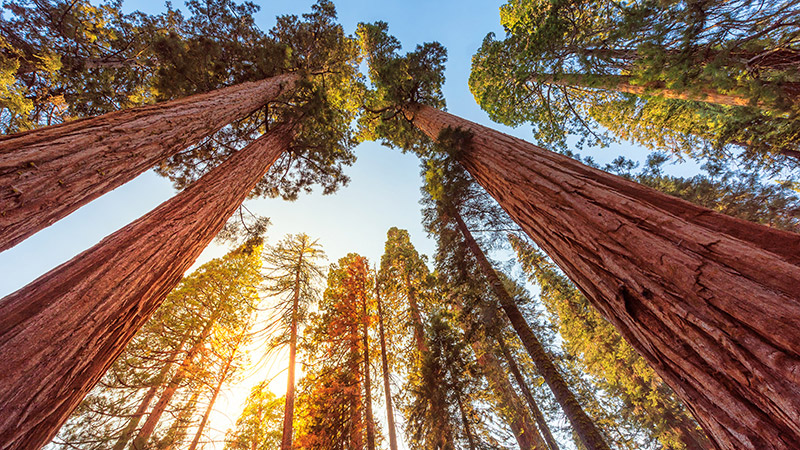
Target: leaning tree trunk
point(48, 173)
point(522, 425)
point(183, 372)
point(385, 368)
point(584, 426)
point(288, 410)
point(526, 392)
point(59, 334)
point(622, 83)
point(133, 421)
point(710, 301)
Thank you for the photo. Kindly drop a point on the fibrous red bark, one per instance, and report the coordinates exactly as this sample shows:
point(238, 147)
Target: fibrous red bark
point(59, 334)
point(47, 173)
point(710, 301)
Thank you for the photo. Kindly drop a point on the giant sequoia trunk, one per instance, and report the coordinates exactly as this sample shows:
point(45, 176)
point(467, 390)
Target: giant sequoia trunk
point(288, 410)
point(59, 334)
point(710, 301)
point(46, 174)
point(385, 368)
point(581, 423)
point(622, 83)
point(526, 392)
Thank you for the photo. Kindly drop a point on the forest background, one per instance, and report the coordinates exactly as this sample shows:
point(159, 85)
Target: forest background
point(384, 187)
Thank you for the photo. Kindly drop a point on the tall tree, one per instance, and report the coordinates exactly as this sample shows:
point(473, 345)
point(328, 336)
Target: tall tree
point(333, 412)
point(53, 171)
point(552, 444)
point(227, 348)
point(715, 75)
point(608, 357)
point(661, 270)
point(404, 273)
point(292, 276)
point(220, 291)
point(57, 343)
point(387, 391)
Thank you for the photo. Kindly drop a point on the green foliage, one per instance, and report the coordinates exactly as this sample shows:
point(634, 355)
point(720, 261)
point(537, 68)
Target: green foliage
point(553, 65)
point(321, 107)
point(292, 273)
point(72, 59)
point(398, 83)
point(220, 297)
point(259, 425)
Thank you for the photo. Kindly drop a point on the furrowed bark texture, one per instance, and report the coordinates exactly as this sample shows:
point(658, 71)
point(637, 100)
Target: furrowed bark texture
point(589, 435)
point(710, 301)
point(59, 334)
point(48, 173)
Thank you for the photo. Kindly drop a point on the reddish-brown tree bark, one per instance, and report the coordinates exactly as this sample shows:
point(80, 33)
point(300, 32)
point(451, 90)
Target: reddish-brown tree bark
point(369, 417)
point(59, 334)
point(589, 435)
point(710, 301)
point(46, 174)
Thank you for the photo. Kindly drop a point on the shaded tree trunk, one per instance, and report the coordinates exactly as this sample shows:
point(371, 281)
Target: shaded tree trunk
point(60, 333)
point(710, 301)
point(582, 424)
point(48, 173)
point(133, 422)
point(526, 392)
point(522, 425)
point(622, 83)
point(288, 412)
point(385, 367)
point(416, 318)
point(140, 441)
